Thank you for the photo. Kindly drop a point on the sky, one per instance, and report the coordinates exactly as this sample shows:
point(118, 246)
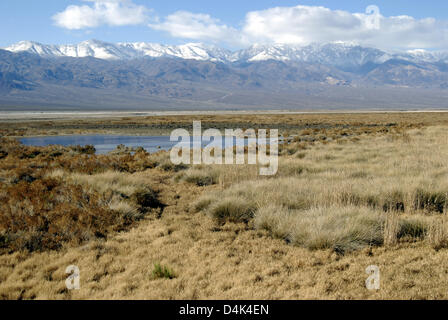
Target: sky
point(389, 24)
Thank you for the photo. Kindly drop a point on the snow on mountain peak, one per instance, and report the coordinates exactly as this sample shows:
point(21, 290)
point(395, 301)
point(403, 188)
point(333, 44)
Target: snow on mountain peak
point(341, 54)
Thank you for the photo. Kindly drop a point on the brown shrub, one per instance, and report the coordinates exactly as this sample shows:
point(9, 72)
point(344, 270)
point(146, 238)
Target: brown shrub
point(39, 212)
point(46, 213)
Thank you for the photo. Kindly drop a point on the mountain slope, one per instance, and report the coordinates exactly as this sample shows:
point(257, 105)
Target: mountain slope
point(342, 55)
point(95, 74)
point(121, 51)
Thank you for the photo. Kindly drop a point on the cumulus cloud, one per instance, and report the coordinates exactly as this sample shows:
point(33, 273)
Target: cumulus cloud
point(302, 25)
point(306, 24)
point(196, 26)
point(101, 12)
point(299, 25)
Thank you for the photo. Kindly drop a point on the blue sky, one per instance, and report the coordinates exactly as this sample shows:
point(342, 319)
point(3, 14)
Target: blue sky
point(222, 22)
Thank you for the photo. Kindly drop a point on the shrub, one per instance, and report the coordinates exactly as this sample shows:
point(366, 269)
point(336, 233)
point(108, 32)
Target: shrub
point(88, 149)
point(300, 155)
point(52, 195)
point(438, 234)
point(342, 229)
point(203, 203)
point(201, 177)
point(291, 150)
point(162, 272)
point(292, 169)
point(233, 210)
point(413, 228)
point(169, 166)
point(394, 201)
point(147, 199)
point(30, 154)
point(3, 240)
point(44, 214)
point(127, 210)
point(162, 160)
point(430, 201)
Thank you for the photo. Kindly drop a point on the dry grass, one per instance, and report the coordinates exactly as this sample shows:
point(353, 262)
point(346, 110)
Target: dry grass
point(341, 229)
point(229, 263)
point(232, 210)
point(365, 195)
point(332, 125)
point(343, 197)
point(199, 177)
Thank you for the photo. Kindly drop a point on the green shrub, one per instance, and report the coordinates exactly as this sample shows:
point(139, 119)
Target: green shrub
point(162, 272)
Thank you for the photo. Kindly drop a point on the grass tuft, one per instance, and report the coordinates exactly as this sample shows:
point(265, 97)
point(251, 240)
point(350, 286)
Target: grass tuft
point(201, 178)
point(233, 210)
point(342, 229)
point(162, 272)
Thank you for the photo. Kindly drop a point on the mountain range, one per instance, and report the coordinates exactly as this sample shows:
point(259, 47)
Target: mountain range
point(101, 75)
point(339, 54)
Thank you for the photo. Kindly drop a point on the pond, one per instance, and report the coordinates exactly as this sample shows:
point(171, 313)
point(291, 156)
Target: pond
point(106, 143)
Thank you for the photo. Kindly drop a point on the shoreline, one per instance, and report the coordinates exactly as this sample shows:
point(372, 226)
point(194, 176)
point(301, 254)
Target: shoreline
point(11, 116)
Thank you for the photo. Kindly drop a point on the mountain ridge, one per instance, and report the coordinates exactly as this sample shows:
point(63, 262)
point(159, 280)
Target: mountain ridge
point(339, 54)
point(198, 76)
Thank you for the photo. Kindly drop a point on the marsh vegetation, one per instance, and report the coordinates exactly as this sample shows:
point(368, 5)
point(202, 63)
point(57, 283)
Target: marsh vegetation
point(346, 196)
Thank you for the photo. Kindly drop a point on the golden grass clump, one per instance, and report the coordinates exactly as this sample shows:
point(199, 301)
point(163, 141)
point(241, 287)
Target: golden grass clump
point(399, 183)
point(438, 233)
point(199, 177)
point(232, 210)
point(341, 229)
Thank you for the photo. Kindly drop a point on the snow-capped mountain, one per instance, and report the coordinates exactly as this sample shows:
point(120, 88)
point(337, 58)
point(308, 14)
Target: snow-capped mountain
point(334, 54)
point(190, 51)
point(89, 48)
point(123, 51)
point(275, 75)
point(421, 55)
point(342, 55)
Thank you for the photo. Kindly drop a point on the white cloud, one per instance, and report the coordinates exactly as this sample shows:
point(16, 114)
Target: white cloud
point(299, 25)
point(196, 26)
point(101, 12)
point(307, 24)
point(290, 25)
